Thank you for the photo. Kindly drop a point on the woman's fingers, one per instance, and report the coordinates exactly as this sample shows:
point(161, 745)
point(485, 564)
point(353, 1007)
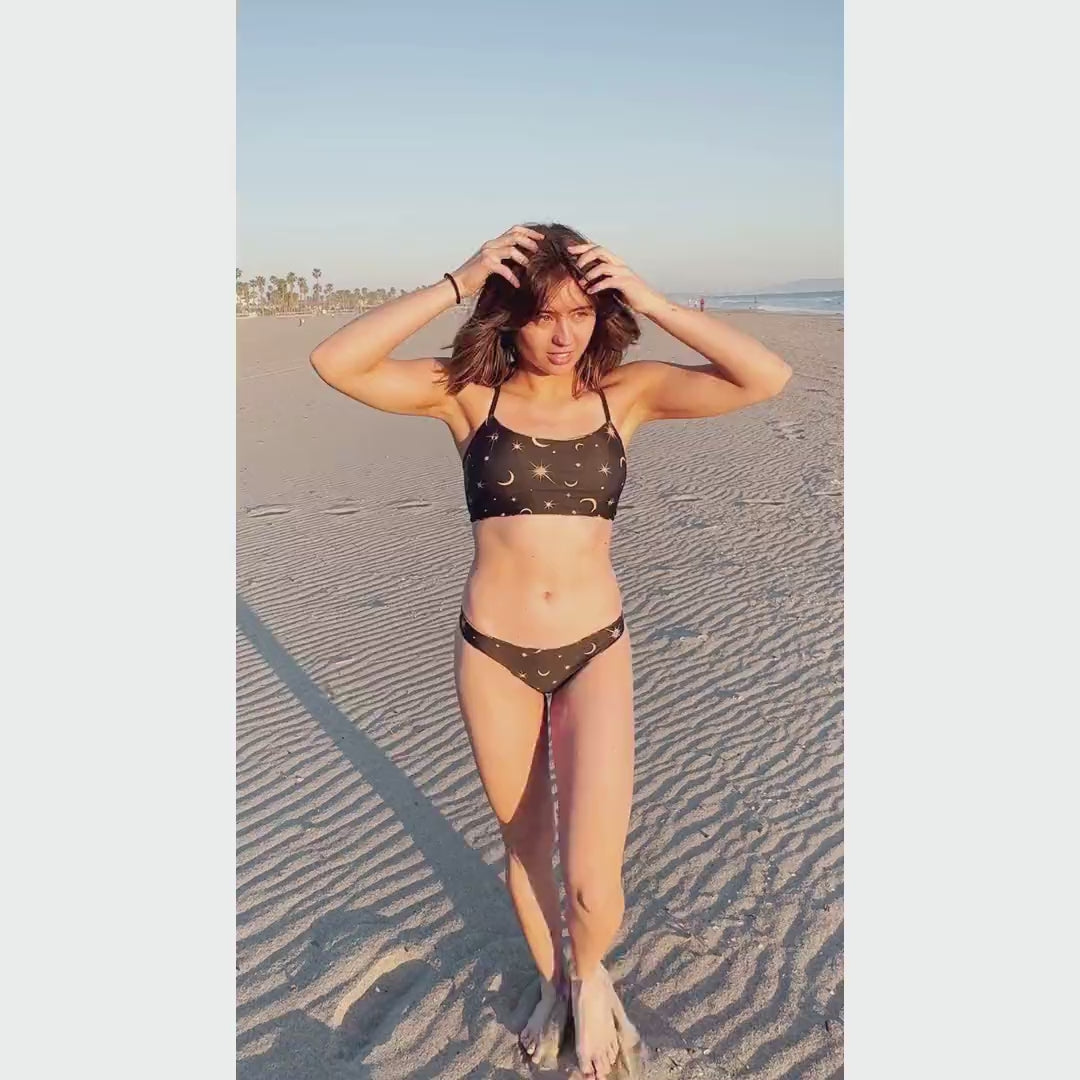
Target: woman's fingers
point(609, 280)
point(601, 254)
point(524, 229)
point(516, 241)
point(587, 253)
point(519, 234)
point(494, 262)
point(494, 255)
point(508, 275)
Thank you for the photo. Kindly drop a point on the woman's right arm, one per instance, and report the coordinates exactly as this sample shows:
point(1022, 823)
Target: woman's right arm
point(356, 358)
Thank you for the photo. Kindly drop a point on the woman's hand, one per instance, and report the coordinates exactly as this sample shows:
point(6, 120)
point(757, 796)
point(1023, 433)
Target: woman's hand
point(610, 272)
point(470, 276)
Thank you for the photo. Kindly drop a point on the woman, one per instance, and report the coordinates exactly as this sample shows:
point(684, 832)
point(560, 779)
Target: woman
point(541, 639)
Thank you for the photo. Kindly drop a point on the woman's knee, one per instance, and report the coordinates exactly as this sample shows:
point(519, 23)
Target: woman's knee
point(591, 894)
point(528, 838)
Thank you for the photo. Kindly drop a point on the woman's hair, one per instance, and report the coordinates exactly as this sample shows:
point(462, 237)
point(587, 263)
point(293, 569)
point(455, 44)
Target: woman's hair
point(483, 349)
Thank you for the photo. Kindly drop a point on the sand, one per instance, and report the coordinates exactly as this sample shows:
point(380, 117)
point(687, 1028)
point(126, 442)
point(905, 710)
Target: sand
point(375, 935)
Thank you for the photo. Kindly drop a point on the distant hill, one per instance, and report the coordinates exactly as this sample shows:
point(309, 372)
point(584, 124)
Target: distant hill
point(831, 284)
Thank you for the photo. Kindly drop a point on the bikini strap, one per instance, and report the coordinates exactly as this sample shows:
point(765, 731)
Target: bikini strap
point(494, 398)
point(607, 414)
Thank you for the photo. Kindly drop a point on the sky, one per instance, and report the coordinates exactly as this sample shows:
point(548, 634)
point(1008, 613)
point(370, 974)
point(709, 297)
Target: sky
point(701, 142)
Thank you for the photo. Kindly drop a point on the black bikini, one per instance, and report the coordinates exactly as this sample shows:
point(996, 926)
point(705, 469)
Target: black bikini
point(545, 670)
point(510, 473)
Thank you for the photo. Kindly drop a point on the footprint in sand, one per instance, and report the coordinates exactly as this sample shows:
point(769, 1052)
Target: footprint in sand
point(786, 429)
point(413, 505)
point(271, 510)
point(339, 509)
point(378, 1000)
point(671, 634)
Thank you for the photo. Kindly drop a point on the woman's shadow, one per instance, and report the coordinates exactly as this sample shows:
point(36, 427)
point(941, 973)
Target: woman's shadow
point(481, 971)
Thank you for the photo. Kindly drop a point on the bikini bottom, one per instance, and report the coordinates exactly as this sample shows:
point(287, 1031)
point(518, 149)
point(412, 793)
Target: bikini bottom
point(545, 670)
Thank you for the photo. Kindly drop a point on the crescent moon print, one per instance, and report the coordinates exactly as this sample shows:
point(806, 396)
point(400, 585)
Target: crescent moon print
point(537, 442)
point(578, 445)
point(573, 483)
point(622, 461)
point(591, 649)
point(525, 511)
point(593, 501)
point(543, 673)
point(507, 483)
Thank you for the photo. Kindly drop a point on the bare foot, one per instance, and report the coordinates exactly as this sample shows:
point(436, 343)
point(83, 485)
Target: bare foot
point(535, 1040)
point(596, 1039)
point(633, 1050)
point(554, 1033)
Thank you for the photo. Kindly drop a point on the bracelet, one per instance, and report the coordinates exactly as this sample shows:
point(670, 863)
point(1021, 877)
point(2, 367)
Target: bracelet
point(457, 292)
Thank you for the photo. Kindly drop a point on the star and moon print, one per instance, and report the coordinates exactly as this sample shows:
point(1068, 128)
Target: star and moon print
point(545, 670)
point(507, 472)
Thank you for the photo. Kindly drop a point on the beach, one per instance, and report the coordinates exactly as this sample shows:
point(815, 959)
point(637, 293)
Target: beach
point(375, 937)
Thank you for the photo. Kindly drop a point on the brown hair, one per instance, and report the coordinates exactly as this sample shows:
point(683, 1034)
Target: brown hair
point(483, 348)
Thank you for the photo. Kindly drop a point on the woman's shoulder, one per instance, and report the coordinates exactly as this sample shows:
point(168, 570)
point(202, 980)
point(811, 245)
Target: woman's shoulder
point(628, 377)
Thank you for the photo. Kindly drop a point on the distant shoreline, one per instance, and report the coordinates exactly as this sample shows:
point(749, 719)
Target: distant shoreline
point(760, 310)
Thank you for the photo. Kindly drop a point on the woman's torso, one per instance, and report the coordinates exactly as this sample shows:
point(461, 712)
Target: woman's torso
point(544, 579)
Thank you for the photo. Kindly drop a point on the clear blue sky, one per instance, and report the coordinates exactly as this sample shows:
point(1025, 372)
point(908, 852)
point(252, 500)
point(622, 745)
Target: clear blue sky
point(383, 143)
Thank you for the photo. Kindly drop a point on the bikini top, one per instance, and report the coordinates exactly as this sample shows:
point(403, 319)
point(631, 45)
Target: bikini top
point(510, 473)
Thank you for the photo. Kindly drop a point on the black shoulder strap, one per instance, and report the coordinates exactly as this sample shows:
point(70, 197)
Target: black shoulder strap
point(607, 415)
point(494, 398)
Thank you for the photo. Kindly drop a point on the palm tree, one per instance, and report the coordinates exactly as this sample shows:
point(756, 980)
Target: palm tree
point(302, 286)
point(280, 292)
point(317, 291)
point(330, 293)
point(290, 280)
point(260, 285)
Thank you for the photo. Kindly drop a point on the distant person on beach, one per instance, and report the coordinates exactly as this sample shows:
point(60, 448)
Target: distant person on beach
point(702, 302)
point(541, 644)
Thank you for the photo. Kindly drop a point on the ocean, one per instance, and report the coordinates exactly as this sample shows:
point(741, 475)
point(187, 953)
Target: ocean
point(801, 303)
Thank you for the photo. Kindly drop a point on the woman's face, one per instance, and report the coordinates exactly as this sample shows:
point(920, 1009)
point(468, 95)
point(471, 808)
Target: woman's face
point(553, 342)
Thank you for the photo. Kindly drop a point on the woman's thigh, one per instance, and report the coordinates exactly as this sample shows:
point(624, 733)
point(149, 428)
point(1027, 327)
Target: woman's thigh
point(592, 738)
point(507, 729)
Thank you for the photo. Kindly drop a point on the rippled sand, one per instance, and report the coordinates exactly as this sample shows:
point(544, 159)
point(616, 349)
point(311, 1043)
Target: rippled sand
point(375, 937)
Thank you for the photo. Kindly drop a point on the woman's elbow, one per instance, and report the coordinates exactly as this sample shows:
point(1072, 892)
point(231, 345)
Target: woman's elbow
point(777, 378)
point(783, 374)
point(320, 362)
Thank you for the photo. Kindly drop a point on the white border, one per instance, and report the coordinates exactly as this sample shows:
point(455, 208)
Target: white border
point(960, 367)
point(119, 445)
point(961, 227)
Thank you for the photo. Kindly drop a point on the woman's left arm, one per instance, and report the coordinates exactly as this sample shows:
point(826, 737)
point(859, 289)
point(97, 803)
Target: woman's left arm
point(740, 371)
